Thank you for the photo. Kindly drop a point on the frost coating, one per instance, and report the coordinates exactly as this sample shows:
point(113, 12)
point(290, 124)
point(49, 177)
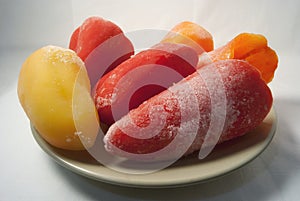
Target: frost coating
point(226, 108)
point(56, 55)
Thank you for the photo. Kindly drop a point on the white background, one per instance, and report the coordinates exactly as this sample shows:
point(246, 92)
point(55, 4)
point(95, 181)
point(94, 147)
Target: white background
point(27, 173)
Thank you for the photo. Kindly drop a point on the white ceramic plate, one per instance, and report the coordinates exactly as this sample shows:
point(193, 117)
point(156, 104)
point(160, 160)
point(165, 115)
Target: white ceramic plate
point(224, 159)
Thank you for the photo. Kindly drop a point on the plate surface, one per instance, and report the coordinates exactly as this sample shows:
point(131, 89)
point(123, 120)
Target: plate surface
point(225, 158)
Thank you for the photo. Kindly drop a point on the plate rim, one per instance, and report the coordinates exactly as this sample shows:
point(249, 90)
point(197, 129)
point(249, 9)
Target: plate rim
point(161, 184)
